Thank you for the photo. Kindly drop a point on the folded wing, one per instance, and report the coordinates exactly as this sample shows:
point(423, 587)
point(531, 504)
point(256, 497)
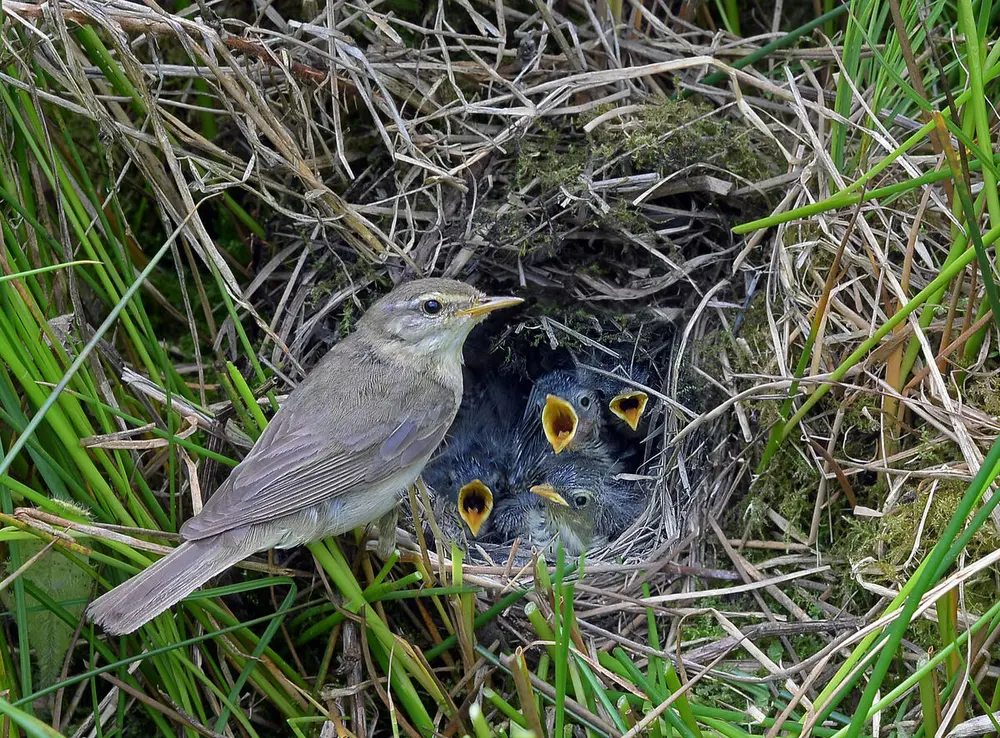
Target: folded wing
point(299, 462)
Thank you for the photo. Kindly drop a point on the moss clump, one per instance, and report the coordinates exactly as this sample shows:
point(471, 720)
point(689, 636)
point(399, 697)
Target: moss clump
point(606, 329)
point(750, 350)
point(347, 319)
point(546, 158)
point(623, 216)
point(889, 541)
point(889, 548)
point(899, 528)
point(663, 138)
point(514, 229)
point(864, 417)
point(788, 486)
point(320, 291)
point(706, 626)
point(553, 169)
point(982, 391)
point(671, 135)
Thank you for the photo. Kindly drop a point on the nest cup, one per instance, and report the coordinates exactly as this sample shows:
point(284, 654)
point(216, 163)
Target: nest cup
point(679, 480)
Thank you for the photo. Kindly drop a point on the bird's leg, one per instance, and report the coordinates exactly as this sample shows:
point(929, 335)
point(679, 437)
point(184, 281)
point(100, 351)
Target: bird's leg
point(420, 488)
point(386, 527)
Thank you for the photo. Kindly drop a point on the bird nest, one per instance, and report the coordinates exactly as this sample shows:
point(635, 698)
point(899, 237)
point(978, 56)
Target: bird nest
point(614, 231)
point(612, 219)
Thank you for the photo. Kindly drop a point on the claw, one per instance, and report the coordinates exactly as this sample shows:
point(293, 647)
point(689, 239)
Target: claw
point(475, 503)
point(559, 421)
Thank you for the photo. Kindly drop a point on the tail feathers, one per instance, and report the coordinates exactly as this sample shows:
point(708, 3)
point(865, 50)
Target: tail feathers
point(153, 591)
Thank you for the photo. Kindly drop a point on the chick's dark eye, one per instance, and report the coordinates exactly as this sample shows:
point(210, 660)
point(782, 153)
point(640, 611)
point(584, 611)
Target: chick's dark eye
point(585, 402)
point(432, 307)
point(580, 500)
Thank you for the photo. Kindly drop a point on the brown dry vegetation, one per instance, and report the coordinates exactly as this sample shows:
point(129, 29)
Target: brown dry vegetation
point(284, 168)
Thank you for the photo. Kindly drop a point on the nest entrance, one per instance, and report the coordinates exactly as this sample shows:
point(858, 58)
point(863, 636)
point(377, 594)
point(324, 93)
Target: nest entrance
point(538, 340)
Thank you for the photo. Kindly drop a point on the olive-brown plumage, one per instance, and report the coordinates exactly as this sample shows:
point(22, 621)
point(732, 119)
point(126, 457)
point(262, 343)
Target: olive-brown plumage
point(344, 446)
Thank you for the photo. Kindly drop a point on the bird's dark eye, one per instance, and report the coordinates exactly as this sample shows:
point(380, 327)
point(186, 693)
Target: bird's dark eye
point(585, 402)
point(580, 500)
point(432, 307)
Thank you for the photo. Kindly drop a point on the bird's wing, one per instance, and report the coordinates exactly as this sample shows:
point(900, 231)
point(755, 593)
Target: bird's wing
point(316, 449)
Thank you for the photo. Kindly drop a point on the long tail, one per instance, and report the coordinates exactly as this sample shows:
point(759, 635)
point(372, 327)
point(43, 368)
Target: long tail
point(164, 584)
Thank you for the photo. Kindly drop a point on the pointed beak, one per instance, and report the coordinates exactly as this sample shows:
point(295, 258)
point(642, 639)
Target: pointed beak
point(629, 406)
point(475, 503)
point(548, 492)
point(559, 421)
point(488, 305)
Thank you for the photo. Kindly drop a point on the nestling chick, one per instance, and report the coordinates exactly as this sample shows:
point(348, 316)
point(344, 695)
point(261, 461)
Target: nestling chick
point(537, 495)
point(626, 403)
point(569, 413)
point(466, 479)
point(585, 505)
point(470, 471)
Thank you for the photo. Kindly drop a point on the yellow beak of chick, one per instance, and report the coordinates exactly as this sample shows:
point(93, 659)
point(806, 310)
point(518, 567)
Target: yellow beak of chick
point(559, 422)
point(548, 492)
point(475, 503)
point(629, 406)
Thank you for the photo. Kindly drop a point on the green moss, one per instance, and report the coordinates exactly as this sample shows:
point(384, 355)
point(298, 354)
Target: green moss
point(983, 392)
point(671, 135)
point(616, 329)
point(347, 318)
point(788, 485)
point(706, 626)
point(515, 229)
point(886, 545)
point(900, 527)
point(552, 168)
point(544, 157)
point(663, 138)
point(624, 216)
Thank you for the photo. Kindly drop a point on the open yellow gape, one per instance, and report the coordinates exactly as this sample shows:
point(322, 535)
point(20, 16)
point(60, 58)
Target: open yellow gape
point(629, 406)
point(559, 422)
point(475, 503)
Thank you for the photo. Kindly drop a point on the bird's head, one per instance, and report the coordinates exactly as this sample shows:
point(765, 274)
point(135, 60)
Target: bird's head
point(569, 510)
point(430, 317)
point(570, 412)
point(625, 400)
point(577, 499)
point(586, 502)
point(570, 486)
